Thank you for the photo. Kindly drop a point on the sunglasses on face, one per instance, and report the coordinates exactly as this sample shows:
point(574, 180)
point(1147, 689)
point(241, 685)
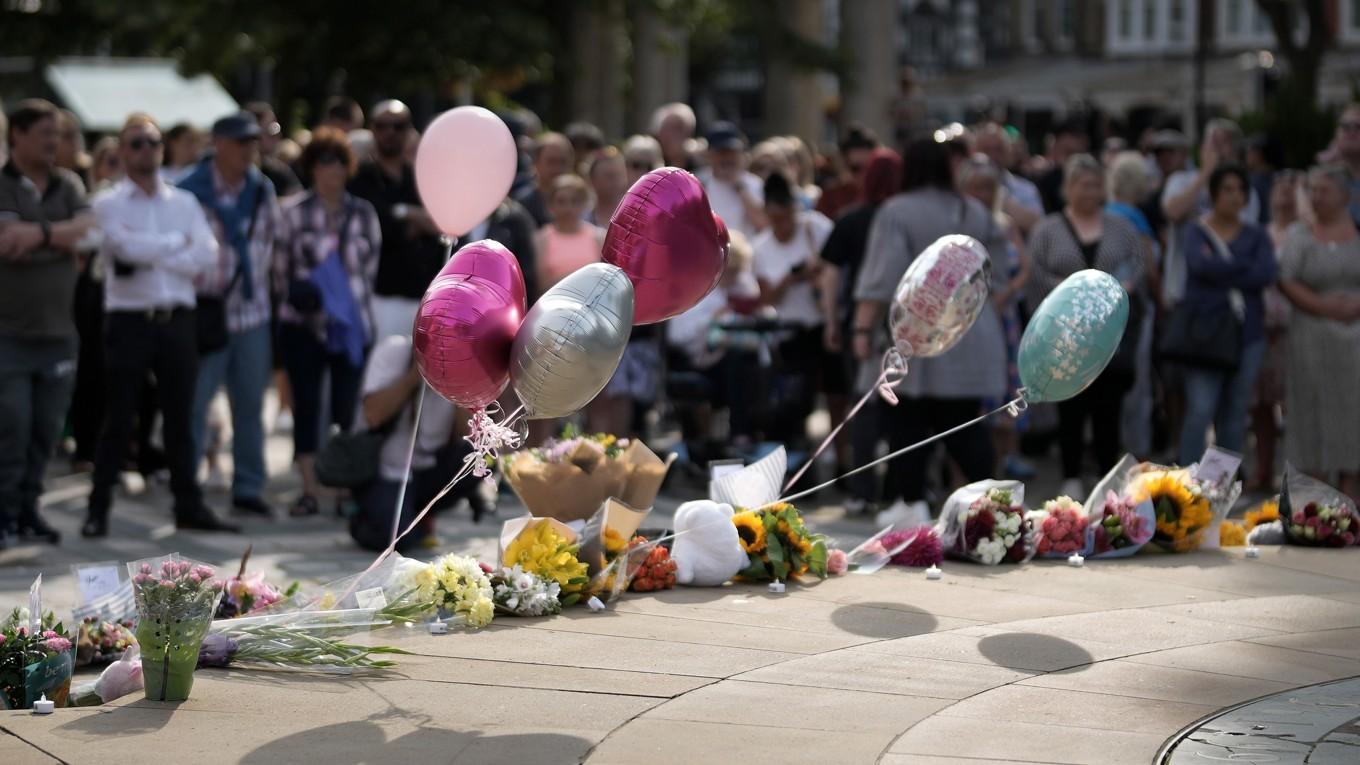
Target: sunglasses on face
point(137, 144)
point(396, 126)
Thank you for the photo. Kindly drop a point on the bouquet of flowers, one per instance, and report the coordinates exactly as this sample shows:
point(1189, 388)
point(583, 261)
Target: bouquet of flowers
point(549, 549)
point(35, 660)
point(101, 642)
point(522, 593)
point(570, 478)
point(657, 571)
point(917, 547)
point(1266, 512)
point(305, 642)
point(610, 548)
point(985, 522)
point(176, 599)
point(778, 545)
point(1232, 534)
point(1182, 508)
point(1061, 528)
point(244, 593)
point(458, 587)
point(1123, 526)
point(1315, 514)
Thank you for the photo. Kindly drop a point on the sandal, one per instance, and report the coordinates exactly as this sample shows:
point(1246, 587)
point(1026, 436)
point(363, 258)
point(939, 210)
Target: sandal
point(305, 506)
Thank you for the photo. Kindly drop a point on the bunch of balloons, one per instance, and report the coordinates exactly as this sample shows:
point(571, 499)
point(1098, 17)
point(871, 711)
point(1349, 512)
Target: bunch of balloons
point(475, 334)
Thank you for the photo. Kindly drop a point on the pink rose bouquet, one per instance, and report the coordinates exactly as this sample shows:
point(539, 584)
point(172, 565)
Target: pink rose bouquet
point(1061, 527)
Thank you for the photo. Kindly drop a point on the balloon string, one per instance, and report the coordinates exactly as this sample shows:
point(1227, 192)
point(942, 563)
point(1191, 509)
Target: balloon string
point(894, 369)
point(487, 437)
point(410, 458)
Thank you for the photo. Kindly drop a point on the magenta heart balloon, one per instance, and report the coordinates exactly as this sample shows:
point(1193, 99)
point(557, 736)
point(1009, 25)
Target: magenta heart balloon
point(663, 235)
point(467, 322)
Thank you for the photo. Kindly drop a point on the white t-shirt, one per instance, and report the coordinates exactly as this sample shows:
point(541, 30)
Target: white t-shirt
point(1173, 265)
point(726, 202)
point(774, 260)
point(389, 361)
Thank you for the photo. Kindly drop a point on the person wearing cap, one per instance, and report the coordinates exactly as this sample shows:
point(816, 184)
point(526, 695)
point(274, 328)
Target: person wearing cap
point(156, 242)
point(735, 194)
point(411, 254)
point(243, 212)
point(278, 172)
point(43, 216)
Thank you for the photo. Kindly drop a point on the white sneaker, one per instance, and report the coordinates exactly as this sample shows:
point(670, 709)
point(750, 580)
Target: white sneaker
point(217, 480)
point(1073, 488)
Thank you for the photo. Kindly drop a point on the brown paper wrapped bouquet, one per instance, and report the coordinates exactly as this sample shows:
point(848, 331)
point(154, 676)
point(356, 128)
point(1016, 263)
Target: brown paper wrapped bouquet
point(570, 478)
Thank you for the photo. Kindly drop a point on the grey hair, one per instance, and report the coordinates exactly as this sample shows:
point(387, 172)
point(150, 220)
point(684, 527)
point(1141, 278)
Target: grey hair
point(1227, 126)
point(1082, 163)
point(1128, 177)
point(1335, 172)
point(643, 146)
point(676, 109)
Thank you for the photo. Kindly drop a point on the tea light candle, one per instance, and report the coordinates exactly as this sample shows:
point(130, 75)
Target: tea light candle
point(439, 628)
point(595, 604)
point(42, 706)
point(777, 587)
point(934, 573)
point(1253, 552)
point(1076, 561)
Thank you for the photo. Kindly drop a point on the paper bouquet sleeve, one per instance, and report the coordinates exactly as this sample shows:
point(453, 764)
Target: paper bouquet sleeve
point(512, 528)
point(1131, 537)
point(954, 531)
point(1297, 493)
point(575, 488)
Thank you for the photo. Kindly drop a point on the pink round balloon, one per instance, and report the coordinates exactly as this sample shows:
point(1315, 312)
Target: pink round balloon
point(464, 167)
point(724, 238)
point(664, 236)
point(467, 322)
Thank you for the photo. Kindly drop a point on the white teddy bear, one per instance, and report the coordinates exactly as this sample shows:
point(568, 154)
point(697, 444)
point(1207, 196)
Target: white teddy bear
point(707, 553)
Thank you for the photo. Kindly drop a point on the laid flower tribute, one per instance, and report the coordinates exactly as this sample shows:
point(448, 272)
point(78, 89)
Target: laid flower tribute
point(778, 545)
point(458, 588)
point(657, 571)
point(1232, 534)
point(611, 548)
point(1060, 528)
point(917, 547)
point(1123, 526)
point(289, 646)
point(36, 660)
point(571, 477)
point(101, 642)
point(984, 522)
point(547, 548)
point(176, 599)
point(1182, 509)
point(1314, 514)
point(522, 593)
point(244, 594)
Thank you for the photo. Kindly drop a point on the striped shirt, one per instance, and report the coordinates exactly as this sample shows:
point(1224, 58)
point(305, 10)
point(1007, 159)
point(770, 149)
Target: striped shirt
point(243, 314)
point(309, 236)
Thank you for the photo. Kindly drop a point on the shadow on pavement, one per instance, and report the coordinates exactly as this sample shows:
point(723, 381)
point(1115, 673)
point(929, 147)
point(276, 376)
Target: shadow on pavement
point(1029, 651)
point(882, 620)
point(353, 743)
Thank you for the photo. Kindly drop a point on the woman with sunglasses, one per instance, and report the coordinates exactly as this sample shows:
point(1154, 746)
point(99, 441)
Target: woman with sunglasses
point(327, 261)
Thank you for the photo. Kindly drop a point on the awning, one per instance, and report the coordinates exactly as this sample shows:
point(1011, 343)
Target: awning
point(103, 91)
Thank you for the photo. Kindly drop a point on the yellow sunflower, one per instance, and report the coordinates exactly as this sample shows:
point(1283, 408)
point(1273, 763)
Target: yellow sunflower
point(1267, 512)
point(1232, 534)
point(751, 531)
point(1181, 512)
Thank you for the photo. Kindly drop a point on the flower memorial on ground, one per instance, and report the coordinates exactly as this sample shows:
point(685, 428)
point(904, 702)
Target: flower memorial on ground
point(778, 546)
point(523, 593)
point(1324, 525)
point(101, 642)
point(35, 660)
point(457, 586)
point(1183, 511)
point(1062, 528)
point(656, 573)
point(985, 522)
point(1119, 526)
point(921, 547)
point(541, 549)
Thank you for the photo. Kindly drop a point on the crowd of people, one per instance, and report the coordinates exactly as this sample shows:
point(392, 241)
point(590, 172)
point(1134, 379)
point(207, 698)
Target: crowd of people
point(140, 280)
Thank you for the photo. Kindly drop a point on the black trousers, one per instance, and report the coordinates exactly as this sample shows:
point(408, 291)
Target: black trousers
point(165, 345)
point(307, 361)
point(1101, 404)
point(915, 419)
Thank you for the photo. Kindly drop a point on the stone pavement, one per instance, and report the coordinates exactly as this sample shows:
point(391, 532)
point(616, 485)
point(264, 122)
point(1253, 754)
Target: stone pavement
point(1040, 663)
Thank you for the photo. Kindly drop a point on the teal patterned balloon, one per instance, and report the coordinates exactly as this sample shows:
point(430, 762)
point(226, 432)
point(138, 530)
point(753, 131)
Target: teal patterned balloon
point(1072, 336)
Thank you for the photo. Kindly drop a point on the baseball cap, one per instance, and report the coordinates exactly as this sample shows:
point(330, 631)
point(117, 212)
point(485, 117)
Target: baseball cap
point(237, 126)
point(725, 135)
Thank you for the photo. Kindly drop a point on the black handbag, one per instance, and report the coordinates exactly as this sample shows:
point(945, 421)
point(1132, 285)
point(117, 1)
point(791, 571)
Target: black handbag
point(210, 315)
point(350, 460)
point(1207, 337)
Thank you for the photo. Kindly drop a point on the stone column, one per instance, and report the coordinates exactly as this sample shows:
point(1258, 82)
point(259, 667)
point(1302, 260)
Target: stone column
point(793, 98)
point(597, 55)
point(869, 34)
point(660, 64)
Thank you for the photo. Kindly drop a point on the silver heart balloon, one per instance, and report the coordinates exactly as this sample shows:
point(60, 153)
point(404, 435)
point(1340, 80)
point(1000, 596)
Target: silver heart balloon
point(571, 341)
point(940, 296)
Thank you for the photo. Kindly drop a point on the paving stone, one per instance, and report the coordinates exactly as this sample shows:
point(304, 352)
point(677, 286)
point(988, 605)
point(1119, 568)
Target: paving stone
point(1026, 742)
point(1077, 709)
point(1249, 659)
point(669, 741)
point(859, 671)
point(1141, 681)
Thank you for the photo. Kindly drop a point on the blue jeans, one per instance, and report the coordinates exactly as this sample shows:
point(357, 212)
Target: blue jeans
point(36, 379)
point(1219, 398)
point(244, 365)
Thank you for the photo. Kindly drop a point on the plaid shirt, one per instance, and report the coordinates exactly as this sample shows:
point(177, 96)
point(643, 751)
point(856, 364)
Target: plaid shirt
point(308, 238)
point(243, 314)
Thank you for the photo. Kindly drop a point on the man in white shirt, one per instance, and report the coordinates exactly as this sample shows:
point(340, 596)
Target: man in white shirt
point(1186, 197)
point(156, 241)
point(1022, 201)
point(733, 193)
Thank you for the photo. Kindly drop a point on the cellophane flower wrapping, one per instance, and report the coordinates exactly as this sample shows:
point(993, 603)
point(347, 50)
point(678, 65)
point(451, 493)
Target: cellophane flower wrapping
point(570, 478)
point(249, 592)
point(778, 545)
point(611, 549)
point(1181, 504)
point(388, 592)
point(35, 661)
point(118, 679)
point(459, 588)
point(877, 551)
point(984, 522)
point(917, 547)
point(1314, 514)
point(301, 640)
point(1060, 529)
point(176, 599)
point(1119, 523)
point(549, 548)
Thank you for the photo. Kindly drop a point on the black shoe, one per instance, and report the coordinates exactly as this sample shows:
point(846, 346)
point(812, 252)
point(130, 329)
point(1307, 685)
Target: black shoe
point(204, 520)
point(36, 529)
point(252, 505)
point(4, 537)
point(95, 526)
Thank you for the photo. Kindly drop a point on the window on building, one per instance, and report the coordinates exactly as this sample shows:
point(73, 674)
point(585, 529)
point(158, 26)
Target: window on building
point(1233, 18)
point(1067, 20)
point(1175, 28)
point(1125, 19)
point(1149, 19)
point(1261, 24)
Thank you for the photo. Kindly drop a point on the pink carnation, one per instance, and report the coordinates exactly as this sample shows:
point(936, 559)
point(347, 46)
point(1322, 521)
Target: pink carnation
point(837, 562)
point(923, 548)
point(57, 645)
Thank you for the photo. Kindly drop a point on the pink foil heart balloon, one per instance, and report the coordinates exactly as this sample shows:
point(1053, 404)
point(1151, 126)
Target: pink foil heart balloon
point(467, 322)
point(664, 236)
